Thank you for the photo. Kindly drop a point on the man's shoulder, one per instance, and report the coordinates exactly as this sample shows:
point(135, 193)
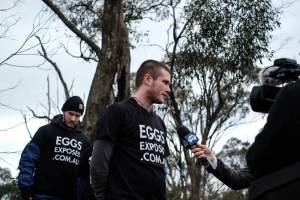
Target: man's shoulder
point(45, 128)
point(119, 106)
point(43, 132)
point(124, 103)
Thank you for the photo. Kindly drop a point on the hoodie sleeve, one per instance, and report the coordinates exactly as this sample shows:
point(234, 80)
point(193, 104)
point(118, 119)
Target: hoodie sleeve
point(29, 158)
point(27, 164)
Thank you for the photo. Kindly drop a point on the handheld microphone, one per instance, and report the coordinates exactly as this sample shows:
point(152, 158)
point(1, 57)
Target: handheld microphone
point(188, 139)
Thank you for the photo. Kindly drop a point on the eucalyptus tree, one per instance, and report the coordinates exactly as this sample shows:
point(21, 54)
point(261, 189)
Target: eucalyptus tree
point(213, 57)
point(8, 186)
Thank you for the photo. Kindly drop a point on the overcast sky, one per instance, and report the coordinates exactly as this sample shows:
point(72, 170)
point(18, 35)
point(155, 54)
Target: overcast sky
point(32, 86)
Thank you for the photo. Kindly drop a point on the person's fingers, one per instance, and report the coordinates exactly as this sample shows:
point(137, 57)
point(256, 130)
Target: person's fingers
point(199, 153)
point(202, 146)
point(207, 151)
point(196, 150)
point(199, 149)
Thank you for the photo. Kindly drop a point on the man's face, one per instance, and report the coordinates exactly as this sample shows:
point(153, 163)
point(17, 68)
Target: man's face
point(160, 87)
point(71, 118)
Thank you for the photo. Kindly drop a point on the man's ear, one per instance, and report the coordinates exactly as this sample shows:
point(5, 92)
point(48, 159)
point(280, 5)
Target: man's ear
point(148, 79)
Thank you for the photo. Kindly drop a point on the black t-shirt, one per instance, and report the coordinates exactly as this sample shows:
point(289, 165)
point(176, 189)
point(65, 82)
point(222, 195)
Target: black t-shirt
point(58, 165)
point(136, 169)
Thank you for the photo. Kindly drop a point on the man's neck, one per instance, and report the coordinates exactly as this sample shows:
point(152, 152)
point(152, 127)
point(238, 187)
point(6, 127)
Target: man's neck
point(142, 101)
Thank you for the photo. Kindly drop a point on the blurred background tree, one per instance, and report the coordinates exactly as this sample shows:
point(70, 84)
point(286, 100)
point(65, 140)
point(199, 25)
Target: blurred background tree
point(8, 186)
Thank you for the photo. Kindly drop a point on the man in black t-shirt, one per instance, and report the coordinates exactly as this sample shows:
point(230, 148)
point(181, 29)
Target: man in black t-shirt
point(49, 164)
point(130, 148)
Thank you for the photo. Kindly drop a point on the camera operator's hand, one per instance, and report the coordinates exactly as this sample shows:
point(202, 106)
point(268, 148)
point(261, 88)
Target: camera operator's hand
point(202, 151)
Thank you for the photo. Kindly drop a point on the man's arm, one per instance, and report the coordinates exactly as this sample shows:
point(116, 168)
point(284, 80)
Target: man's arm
point(108, 128)
point(102, 153)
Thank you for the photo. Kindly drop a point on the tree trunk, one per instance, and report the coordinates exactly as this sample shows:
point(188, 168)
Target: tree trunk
point(195, 182)
point(114, 56)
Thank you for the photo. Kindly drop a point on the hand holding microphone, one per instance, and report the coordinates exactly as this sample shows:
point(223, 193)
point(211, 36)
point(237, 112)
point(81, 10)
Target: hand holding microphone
point(189, 140)
point(201, 151)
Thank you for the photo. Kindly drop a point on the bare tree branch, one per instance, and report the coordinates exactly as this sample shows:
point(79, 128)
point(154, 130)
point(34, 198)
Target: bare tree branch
point(36, 27)
point(45, 55)
point(9, 8)
point(10, 107)
point(6, 26)
point(12, 127)
point(11, 88)
point(6, 162)
point(10, 152)
point(57, 97)
point(81, 54)
point(44, 106)
point(72, 84)
point(26, 125)
point(286, 4)
point(284, 43)
point(18, 50)
point(38, 116)
point(28, 66)
point(72, 27)
point(48, 96)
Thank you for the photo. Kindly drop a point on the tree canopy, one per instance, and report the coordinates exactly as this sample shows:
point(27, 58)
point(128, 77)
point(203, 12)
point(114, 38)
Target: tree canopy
point(216, 48)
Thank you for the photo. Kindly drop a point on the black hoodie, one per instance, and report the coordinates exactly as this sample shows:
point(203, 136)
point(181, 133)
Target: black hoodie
point(58, 149)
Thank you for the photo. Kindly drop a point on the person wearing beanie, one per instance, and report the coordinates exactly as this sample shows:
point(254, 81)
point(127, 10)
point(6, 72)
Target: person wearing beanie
point(50, 162)
point(73, 108)
point(73, 103)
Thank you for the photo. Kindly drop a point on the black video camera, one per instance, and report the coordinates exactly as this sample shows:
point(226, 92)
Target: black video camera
point(272, 78)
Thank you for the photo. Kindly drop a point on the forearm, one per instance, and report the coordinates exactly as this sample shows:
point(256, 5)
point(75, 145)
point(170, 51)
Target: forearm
point(102, 153)
point(235, 179)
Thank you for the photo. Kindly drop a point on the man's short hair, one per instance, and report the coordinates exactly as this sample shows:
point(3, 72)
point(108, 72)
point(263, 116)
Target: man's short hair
point(151, 67)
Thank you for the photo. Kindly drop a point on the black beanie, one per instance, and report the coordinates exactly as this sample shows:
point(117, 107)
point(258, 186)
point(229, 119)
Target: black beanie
point(73, 103)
